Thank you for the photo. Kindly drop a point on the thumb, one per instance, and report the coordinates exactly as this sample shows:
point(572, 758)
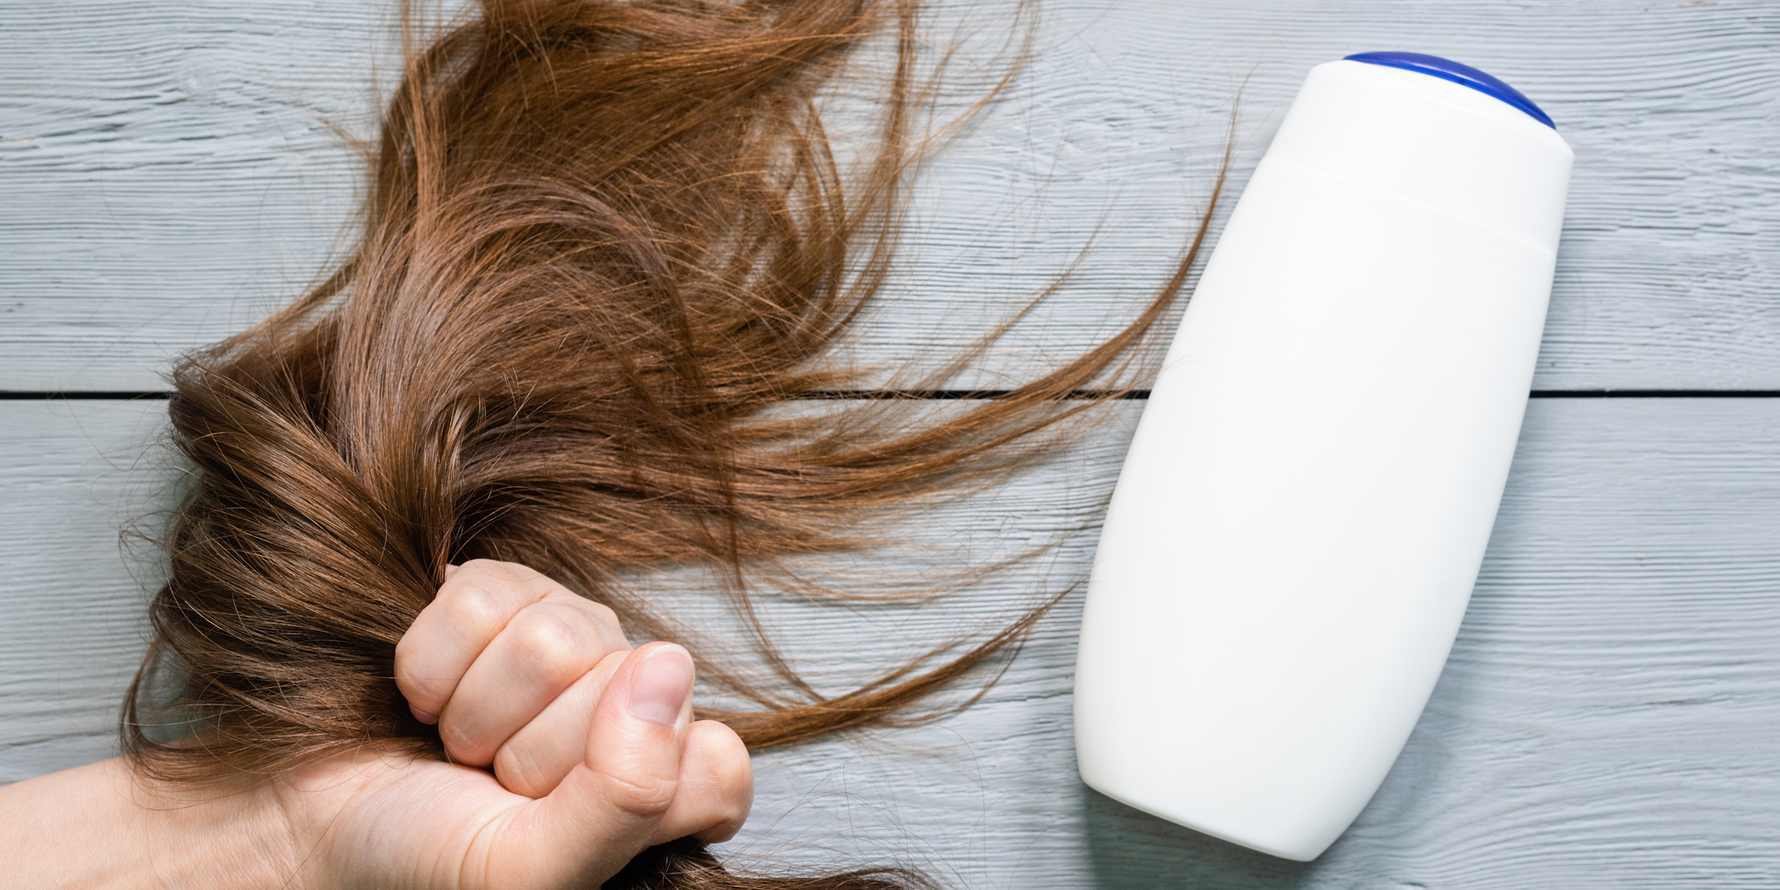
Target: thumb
point(604, 812)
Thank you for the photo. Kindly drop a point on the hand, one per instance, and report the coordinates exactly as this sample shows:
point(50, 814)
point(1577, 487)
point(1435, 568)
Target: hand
point(593, 751)
point(511, 665)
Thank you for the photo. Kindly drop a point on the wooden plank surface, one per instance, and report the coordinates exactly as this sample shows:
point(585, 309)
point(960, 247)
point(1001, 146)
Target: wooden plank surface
point(170, 171)
point(1607, 719)
point(75, 476)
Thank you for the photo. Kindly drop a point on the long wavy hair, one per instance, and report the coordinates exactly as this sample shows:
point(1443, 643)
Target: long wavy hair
point(602, 242)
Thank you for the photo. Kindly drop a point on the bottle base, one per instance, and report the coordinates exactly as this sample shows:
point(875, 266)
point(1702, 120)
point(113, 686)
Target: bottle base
point(1299, 852)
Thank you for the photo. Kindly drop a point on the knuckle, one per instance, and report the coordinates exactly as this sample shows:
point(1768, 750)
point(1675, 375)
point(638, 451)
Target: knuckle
point(601, 613)
point(404, 659)
point(476, 571)
point(641, 795)
point(604, 621)
point(550, 641)
point(487, 566)
point(477, 606)
point(518, 773)
point(732, 808)
point(736, 783)
point(505, 574)
point(460, 742)
point(733, 770)
point(427, 693)
point(412, 680)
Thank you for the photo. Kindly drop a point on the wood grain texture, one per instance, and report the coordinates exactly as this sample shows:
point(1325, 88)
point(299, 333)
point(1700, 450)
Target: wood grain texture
point(1607, 719)
point(170, 171)
point(76, 476)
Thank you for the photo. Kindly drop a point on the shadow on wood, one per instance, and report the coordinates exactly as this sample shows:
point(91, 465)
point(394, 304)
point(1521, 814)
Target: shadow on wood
point(1130, 849)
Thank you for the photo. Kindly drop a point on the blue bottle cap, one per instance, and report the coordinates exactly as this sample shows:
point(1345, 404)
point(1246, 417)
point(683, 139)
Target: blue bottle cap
point(1465, 75)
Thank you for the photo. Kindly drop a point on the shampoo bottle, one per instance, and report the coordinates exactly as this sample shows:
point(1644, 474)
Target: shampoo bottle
point(1306, 502)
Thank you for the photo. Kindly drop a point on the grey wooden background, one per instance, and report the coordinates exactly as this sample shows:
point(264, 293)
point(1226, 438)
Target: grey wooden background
point(1611, 713)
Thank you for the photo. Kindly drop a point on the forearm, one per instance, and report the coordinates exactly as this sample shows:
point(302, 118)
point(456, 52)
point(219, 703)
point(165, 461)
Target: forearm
point(97, 827)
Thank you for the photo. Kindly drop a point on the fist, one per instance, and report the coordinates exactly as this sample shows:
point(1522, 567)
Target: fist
point(570, 752)
point(513, 667)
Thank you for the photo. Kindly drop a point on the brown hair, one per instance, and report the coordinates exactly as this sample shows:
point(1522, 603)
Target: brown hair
point(602, 241)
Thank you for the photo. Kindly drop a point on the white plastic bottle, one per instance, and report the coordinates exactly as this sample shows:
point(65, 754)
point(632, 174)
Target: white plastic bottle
point(1304, 508)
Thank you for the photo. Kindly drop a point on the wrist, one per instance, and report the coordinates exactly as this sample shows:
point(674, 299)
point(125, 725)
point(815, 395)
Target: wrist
point(102, 826)
point(226, 837)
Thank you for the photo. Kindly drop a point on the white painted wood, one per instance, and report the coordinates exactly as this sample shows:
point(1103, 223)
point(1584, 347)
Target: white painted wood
point(74, 476)
point(170, 171)
point(1607, 718)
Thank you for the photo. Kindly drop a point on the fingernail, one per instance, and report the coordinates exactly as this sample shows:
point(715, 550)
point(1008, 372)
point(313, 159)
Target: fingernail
point(659, 686)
